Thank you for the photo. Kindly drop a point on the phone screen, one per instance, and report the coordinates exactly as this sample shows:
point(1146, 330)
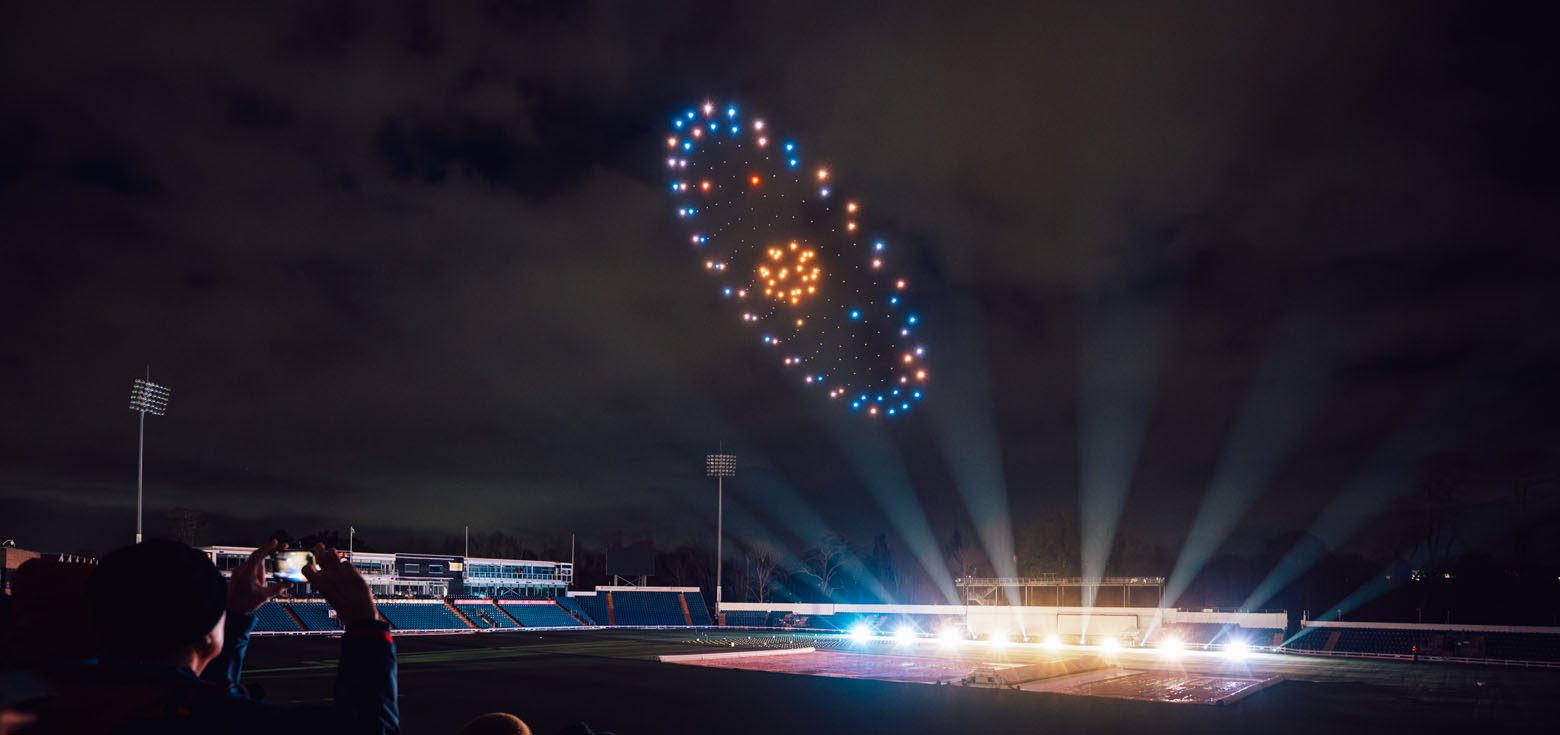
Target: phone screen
point(288, 565)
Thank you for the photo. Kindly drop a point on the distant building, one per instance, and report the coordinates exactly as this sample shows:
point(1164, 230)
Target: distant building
point(440, 575)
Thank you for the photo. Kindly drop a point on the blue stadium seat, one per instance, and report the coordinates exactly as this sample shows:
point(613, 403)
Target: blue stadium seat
point(485, 615)
point(314, 614)
point(748, 618)
point(696, 608)
point(573, 606)
point(541, 616)
point(414, 616)
point(272, 617)
point(648, 608)
point(595, 606)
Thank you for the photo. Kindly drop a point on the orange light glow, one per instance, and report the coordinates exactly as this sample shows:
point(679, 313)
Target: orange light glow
point(851, 207)
point(671, 142)
point(754, 179)
point(762, 141)
point(823, 174)
point(900, 284)
point(705, 185)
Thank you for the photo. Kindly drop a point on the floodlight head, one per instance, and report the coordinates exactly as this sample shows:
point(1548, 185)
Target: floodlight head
point(1171, 647)
point(720, 465)
point(1236, 650)
point(149, 397)
point(860, 633)
point(1110, 643)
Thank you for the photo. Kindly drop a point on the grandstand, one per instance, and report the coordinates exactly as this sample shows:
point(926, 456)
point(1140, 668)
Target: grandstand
point(484, 614)
point(543, 615)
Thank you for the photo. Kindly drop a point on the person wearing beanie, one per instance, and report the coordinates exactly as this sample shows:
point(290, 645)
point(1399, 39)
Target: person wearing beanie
point(172, 633)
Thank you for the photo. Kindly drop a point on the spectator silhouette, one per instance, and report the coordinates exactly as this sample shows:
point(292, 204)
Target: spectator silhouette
point(172, 634)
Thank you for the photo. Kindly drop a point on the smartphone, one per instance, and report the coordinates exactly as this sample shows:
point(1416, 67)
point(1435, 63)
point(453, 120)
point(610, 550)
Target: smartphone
point(289, 565)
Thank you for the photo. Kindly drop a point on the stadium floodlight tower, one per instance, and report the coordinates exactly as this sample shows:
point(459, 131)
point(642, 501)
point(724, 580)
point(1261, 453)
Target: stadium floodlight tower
point(719, 466)
point(146, 397)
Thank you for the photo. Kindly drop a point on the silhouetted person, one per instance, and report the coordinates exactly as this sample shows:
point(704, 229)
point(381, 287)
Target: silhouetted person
point(172, 634)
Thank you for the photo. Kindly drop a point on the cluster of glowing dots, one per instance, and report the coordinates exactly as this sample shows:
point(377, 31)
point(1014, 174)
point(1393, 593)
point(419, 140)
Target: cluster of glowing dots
point(788, 273)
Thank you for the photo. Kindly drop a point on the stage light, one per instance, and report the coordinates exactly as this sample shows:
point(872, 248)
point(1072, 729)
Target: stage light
point(860, 633)
point(999, 639)
point(1053, 641)
point(949, 636)
point(904, 635)
point(1171, 647)
point(1236, 651)
point(1110, 643)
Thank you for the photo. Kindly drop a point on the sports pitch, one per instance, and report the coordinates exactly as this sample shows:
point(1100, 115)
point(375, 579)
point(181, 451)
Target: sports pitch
point(615, 680)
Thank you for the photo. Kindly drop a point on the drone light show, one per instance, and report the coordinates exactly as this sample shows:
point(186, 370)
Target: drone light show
point(793, 254)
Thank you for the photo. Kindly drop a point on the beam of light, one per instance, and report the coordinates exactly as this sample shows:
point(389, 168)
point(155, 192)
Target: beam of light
point(1367, 494)
point(860, 633)
point(879, 466)
point(965, 426)
point(1279, 405)
point(998, 639)
point(1117, 375)
point(1109, 644)
point(1171, 648)
point(1236, 650)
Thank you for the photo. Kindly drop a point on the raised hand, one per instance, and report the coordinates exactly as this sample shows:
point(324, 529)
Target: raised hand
point(342, 587)
point(247, 588)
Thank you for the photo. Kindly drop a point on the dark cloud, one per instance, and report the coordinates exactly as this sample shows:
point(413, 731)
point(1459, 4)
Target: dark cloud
point(411, 265)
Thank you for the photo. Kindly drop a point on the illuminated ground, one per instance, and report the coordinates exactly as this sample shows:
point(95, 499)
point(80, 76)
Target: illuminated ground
point(613, 680)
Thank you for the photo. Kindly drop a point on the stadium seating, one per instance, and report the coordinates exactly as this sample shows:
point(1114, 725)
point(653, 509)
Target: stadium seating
point(416, 616)
point(485, 615)
point(541, 616)
point(647, 608)
point(272, 617)
point(595, 607)
point(747, 618)
point(314, 614)
point(573, 606)
point(696, 609)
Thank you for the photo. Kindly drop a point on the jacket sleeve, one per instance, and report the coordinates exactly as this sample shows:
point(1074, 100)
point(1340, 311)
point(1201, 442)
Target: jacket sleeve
point(366, 678)
point(228, 667)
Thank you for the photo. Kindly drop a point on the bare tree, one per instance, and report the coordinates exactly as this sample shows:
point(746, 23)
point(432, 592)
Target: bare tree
point(825, 564)
point(763, 563)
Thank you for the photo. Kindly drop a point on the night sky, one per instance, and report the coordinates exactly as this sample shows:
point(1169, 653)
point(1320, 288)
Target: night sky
point(415, 266)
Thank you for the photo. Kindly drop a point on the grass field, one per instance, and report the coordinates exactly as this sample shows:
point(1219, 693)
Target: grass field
point(613, 680)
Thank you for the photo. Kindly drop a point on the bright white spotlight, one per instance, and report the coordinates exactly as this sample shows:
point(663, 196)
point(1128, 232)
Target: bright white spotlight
point(999, 639)
point(1110, 643)
point(904, 635)
point(1236, 650)
point(860, 633)
point(1053, 641)
point(1171, 647)
point(949, 636)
